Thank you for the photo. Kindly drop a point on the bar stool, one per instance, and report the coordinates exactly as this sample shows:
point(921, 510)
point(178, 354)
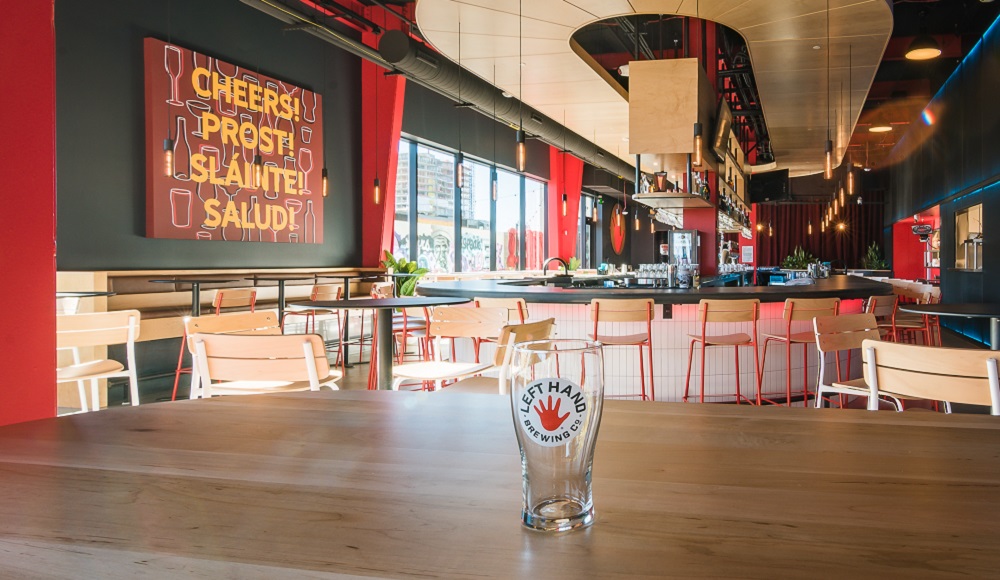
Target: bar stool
point(725, 311)
point(798, 310)
point(227, 298)
point(517, 312)
point(621, 310)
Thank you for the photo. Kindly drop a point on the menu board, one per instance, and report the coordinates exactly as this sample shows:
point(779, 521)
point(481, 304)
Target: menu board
point(231, 154)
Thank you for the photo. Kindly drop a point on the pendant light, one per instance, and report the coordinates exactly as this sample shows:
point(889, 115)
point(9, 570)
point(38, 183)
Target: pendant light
point(822, 227)
point(923, 47)
point(564, 204)
point(636, 221)
point(850, 180)
point(652, 221)
point(594, 210)
point(493, 169)
point(770, 230)
point(809, 228)
point(850, 112)
point(696, 159)
point(841, 195)
point(563, 159)
point(520, 155)
point(377, 187)
point(460, 158)
point(168, 143)
point(828, 146)
point(258, 170)
point(325, 181)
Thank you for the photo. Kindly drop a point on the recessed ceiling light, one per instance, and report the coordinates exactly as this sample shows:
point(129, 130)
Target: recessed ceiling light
point(880, 128)
point(506, 95)
point(817, 47)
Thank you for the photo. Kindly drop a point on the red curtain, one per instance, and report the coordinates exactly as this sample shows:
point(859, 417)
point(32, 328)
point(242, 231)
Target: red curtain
point(790, 224)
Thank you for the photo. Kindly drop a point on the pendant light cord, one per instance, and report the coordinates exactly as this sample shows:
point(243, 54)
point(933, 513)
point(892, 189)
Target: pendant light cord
point(829, 49)
point(520, 65)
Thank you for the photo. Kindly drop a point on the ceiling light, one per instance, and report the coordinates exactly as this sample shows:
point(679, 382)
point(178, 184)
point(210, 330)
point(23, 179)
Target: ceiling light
point(880, 127)
point(623, 70)
point(923, 47)
point(817, 47)
point(506, 95)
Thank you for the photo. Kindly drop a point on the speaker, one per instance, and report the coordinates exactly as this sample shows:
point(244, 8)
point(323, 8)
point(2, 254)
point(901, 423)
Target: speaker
point(770, 187)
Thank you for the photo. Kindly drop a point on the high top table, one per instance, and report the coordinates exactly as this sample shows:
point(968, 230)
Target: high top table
point(195, 284)
point(281, 279)
point(967, 310)
point(383, 308)
point(419, 485)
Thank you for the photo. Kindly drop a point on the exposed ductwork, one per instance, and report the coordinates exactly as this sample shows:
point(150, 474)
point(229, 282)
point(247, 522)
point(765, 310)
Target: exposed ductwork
point(438, 72)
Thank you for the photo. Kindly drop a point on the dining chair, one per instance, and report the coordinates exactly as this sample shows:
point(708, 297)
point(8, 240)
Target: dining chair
point(725, 311)
point(243, 323)
point(74, 331)
point(517, 310)
point(797, 310)
point(510, 335)
point(449, 322)
point(224, 298)
point(233, 364)
point(627, 311)
point(835, 335)
point(321, 292)
point(953, 375)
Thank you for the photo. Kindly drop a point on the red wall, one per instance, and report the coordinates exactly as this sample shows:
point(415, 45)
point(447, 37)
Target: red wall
point(563, 229)
point(27, 111)
point(908, 250)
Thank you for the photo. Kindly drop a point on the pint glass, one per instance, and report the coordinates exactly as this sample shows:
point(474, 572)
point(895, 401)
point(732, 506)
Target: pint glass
point(557, 392)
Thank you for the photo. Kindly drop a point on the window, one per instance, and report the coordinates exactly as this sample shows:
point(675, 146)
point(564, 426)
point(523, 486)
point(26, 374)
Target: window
point(587, 239)
point(476, 199)
point(508, 230)
point(534, 224)
point(401, 224)
point(435, 209)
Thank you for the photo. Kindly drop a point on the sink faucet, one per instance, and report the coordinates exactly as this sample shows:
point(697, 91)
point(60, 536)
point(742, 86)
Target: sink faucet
point(545, 265)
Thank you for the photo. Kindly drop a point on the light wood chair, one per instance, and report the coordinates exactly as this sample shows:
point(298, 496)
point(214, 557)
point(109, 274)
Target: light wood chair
point(798, 310)
point(314, 315)
point(517, 310)
point(232, 364)
point(905, 326)
point(74, 331)
point(452, 322)
point(510, 335)
point(224, 298)
point(837, 334)
point(242, 323)
point(725, 311)
point(628, 311)
point(952, 375)
point(884, 310)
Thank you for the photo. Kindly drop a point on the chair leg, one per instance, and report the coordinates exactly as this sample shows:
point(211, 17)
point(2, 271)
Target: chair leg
point(652, 385)
point(83, 396)
point(805, 374)
point(739, 390)
point(763, 361)
point(701, 390)
point(642, 376)
point(687, 381)
point(788, 373)
point(95, 398)
point(180, 367)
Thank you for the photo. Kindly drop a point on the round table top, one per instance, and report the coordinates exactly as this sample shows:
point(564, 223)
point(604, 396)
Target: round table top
point(82, 293)
point(968, 310)
point(379, 303)
point(195, 280)
point(281, 277)
point(350, 276)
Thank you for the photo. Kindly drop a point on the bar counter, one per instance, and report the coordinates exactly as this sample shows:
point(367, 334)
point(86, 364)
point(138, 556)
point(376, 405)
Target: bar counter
point(532, 290)
point(672, 326)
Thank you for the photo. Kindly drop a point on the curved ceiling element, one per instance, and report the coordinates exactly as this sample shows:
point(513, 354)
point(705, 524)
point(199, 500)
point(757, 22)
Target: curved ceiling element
point(781, 35)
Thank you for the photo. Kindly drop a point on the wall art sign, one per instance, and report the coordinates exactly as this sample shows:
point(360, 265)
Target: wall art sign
point(215, 120)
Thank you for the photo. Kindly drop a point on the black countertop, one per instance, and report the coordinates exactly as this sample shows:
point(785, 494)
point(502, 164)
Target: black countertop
point(844, 287)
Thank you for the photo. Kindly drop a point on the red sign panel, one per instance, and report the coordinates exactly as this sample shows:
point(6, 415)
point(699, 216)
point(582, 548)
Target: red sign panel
point(231, 154)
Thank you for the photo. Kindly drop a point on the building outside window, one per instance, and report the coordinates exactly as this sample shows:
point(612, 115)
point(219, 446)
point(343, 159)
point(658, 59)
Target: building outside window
point(435, 209)
point(508, 230)
point(401, 223)
point(476, 237)
point(534, 224)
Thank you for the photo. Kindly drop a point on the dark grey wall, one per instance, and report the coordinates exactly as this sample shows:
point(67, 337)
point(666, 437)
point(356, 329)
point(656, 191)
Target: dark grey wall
point(101, 144)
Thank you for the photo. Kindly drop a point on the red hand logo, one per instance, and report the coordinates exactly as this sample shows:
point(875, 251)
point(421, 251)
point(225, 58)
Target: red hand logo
point(550, 417)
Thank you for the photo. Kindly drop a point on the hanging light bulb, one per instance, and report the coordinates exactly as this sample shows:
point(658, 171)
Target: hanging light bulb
point(841, 195)
point(460, 171)
point(850, 181)
point(521, 155)
point(822, 227)
point(836, 208)
point(652, 222)
point(859, 200)
point(760, 227)
point(168, 157)
point(493, 181)
point(828, 165)
point(636, 221)
point(696, 159)
point(326, 182)
point(378, 192)
point(809, 228)
point(770, 230)
point(594, 211)
point(565, 204)
point(258, 171)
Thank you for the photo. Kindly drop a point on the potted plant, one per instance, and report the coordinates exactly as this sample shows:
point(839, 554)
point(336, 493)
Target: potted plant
point(405, 286)
point(799, 259)
point(873, 260)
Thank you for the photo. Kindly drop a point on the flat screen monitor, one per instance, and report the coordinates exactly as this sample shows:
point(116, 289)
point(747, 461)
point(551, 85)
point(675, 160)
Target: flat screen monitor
point(723, 123)
point(769, 187)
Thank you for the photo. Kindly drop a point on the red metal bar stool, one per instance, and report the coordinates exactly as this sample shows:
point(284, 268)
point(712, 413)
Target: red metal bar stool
point(725, 311)
point(226, 298)
point(620, 310)
point(798, 310)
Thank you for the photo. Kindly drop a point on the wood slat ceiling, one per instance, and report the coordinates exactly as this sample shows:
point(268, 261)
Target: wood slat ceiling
point(791, 75)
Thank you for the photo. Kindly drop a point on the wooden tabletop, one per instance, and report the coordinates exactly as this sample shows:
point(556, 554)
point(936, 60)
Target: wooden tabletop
point(388, 484)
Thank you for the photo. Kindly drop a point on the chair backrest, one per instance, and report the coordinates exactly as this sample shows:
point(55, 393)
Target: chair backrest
point(956, 375)
point(464, 322)
point(283, 357)
point(234, 298)
point(326, 292)
point(844, 332)
point(265, 323)
point(798, 309)
point(382, 290)
point(912, 293)
point(729, 310)
point(517, 307)
point(517, 333)
point(621, 310)
point(882, 306)
point(97, 328)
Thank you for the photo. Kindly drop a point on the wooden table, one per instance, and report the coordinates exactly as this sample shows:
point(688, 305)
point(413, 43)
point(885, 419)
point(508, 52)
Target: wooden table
point(383, 308)
point(964, 310)
point(406, 485)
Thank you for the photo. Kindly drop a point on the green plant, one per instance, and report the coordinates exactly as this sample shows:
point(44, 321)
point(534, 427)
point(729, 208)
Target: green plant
point(574, 263)
point(873, 260)
point(405, 286)
point(799, 259)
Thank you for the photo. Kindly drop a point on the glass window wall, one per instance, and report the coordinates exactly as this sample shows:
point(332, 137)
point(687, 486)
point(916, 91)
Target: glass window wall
point(476, 237)
point(508, 230)
point(435, 209)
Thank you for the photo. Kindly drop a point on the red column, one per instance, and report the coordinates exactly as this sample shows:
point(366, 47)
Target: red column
point(565, 176)
point(27, 114)
point(381, 123)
